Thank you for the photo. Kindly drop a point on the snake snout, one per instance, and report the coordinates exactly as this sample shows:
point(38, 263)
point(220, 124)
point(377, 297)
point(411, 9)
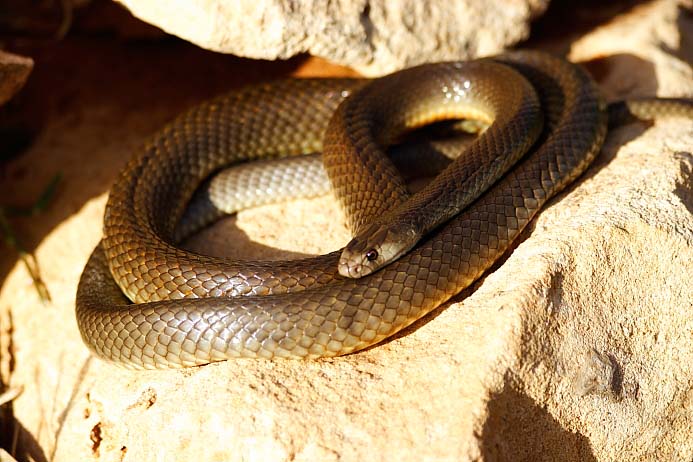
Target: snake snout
point(350, 269)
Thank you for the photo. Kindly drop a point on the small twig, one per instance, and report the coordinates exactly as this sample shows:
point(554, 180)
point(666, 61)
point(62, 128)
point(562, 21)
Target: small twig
point(5, 397)
point(28, 259)
point(11, 239)
point(32, 266)
point(66, 8)
point(10, 394)
point(6, 457)
point(40, 204)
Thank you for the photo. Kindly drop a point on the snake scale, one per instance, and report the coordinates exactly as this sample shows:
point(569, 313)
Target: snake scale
point(144, 303)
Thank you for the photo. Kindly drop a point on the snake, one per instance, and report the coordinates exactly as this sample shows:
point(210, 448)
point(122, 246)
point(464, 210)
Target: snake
point(143, 302)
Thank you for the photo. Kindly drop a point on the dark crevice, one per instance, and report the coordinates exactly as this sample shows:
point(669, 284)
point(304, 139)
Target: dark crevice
point(367, 24)
point(95, 437)
point(566, 20)
point(8, 424)
point(27, 447)
point(684, 186)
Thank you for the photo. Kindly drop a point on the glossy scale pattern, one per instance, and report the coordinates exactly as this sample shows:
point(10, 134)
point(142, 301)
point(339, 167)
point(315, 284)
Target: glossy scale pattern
point(304, 309)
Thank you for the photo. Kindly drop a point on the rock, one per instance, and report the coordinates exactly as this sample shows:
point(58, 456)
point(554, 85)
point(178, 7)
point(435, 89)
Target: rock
point(6, 457)
point(14, 70)
point(374, 37)
point(577, 347)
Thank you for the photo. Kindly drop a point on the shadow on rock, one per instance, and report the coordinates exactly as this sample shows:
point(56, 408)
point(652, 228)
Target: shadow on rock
point(684, 187)
point(518, 429)
point(28, 448)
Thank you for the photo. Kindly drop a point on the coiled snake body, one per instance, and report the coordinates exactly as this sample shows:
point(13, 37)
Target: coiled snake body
point(191, 309)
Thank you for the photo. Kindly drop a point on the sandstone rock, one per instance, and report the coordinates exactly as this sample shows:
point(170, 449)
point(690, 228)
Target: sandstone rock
point(14, 70)
point(374, 37)
point(577, 347)
point(6, 457)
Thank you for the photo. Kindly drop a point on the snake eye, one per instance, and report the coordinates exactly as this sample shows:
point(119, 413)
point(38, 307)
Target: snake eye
point(371, 255)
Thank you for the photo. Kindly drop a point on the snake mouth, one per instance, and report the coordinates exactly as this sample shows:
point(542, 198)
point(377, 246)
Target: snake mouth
point(360, 258)
point(350, 270)
point(374, 249)
point(361, 264)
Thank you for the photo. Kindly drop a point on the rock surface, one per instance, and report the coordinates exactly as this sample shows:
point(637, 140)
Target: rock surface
point(577, 347)
point(374, 37)
point(14, 71)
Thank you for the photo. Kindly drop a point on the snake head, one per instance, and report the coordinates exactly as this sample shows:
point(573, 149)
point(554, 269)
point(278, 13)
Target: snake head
point(376, 246)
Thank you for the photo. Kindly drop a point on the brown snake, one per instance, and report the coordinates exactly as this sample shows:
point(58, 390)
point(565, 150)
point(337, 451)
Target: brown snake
point(191, 309)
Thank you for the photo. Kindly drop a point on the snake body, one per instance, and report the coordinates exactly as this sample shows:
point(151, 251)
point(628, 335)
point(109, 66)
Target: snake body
point(190, 309)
